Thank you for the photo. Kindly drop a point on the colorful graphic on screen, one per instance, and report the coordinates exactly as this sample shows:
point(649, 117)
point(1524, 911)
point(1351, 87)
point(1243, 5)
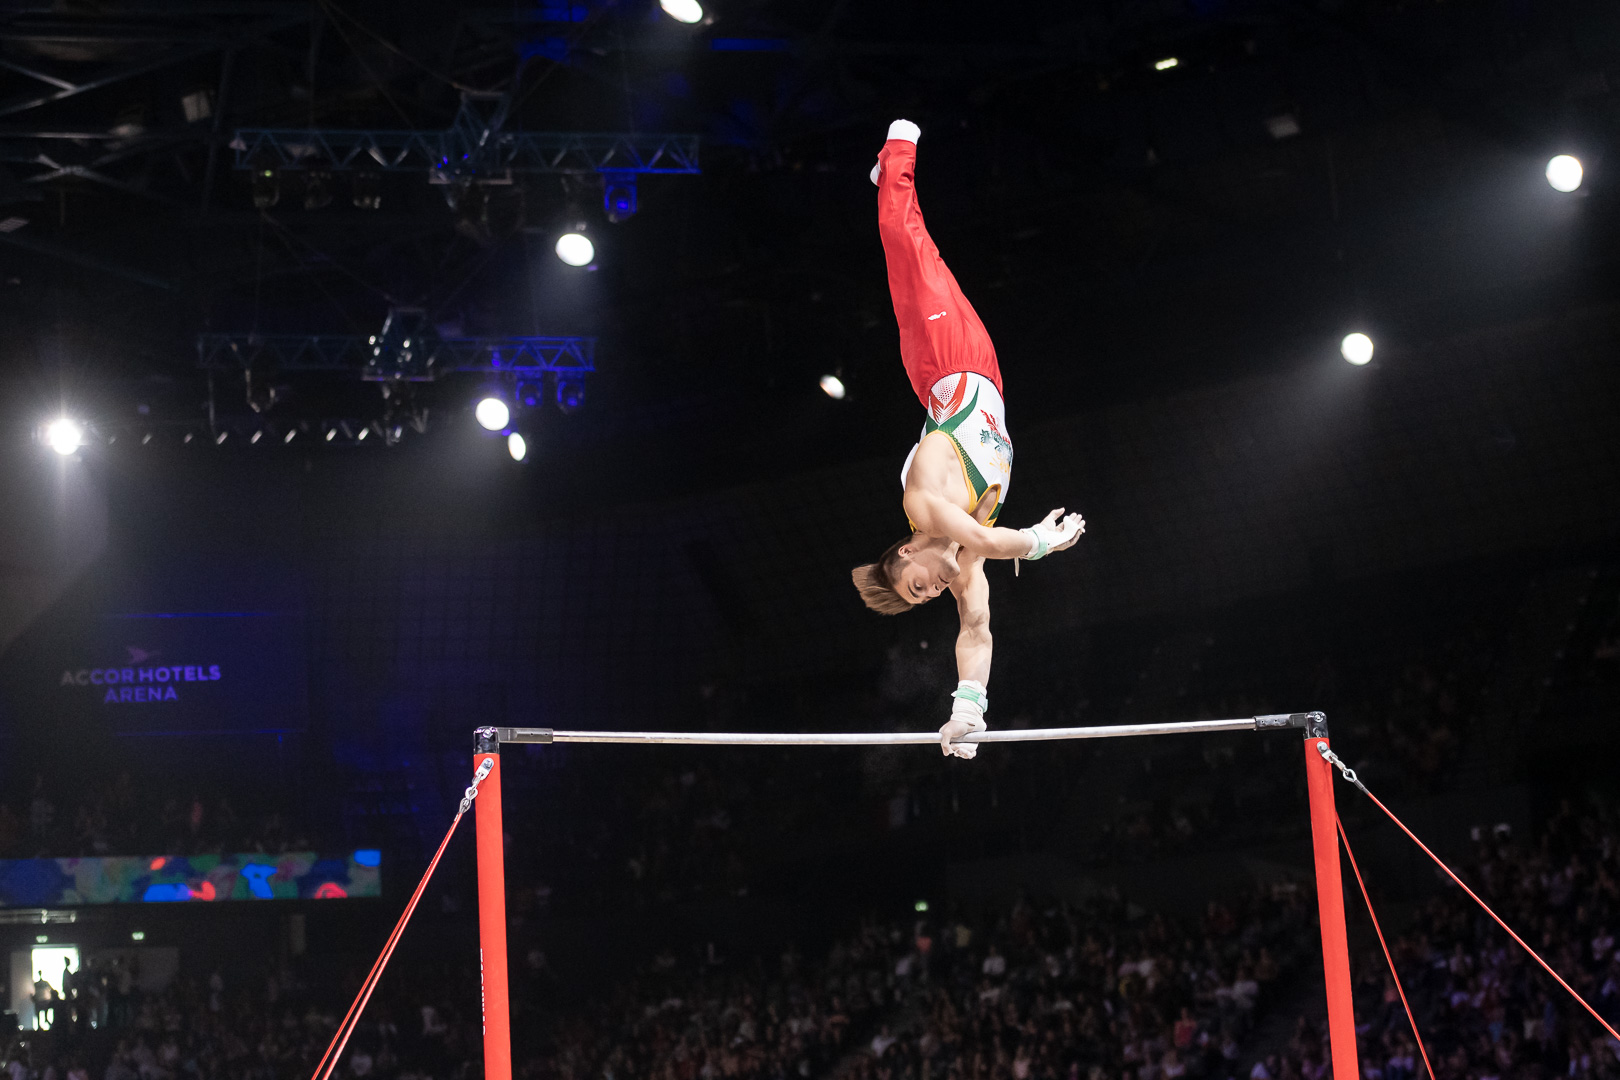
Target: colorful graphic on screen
point(153, 879)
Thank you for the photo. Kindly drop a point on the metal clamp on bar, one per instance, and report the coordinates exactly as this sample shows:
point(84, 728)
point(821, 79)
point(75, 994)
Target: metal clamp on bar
point(1280, 720)
point(526, 734)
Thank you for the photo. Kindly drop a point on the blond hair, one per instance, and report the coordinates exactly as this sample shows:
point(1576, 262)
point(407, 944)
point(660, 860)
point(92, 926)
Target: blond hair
point(875, 581)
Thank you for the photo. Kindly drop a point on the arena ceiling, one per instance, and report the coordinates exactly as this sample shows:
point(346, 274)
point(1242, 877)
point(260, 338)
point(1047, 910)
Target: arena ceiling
point(1125, 226)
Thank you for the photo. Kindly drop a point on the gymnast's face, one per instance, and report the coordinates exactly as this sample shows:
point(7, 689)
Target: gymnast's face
point(928, 571)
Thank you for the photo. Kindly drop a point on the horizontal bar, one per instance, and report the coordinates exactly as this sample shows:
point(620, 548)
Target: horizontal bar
point(899, 738)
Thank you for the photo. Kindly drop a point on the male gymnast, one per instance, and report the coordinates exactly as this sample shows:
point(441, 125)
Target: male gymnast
point(956, 477)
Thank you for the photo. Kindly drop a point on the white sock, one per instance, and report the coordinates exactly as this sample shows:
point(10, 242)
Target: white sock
point(900, 129)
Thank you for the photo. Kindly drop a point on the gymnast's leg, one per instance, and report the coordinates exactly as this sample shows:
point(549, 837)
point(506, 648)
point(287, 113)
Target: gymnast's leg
point(940, 333)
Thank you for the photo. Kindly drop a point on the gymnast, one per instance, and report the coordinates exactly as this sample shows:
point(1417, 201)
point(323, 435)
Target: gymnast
point(956, 477)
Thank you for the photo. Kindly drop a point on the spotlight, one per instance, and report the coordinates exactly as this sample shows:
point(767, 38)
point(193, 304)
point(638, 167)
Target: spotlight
point(266, 189)
point(1356, 348)
point(1564, 173)
point(287, 438)
point(366, 190)
point(570, 394)
point(619, 196)
point(575, 249)
point(219, 440)
point(517, 447)
point(1166, 64)
point(331, 433)
point(493, 414)
point(318, 191)
point(833, 386)
point(64, 436)
point(360, 436)
point(256, 436)
point(686, 11)
point(147, 438)
point(530, 394)
point(137, 935)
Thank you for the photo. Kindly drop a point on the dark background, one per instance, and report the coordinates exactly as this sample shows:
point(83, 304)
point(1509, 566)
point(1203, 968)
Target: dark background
point(1167, 282)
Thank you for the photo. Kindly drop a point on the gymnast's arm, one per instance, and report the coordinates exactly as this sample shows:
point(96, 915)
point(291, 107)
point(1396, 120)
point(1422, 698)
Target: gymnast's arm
point(973, 643)
point(934, 516)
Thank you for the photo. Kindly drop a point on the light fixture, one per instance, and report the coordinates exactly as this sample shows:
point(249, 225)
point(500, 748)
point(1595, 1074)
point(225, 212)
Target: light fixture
point(1166, 64)
point(64, 436)
point(833, 387)
point(570, 394)
point(1356, 348)
point(575, 249)
point(517, 447)
point(1564, 173)
point(331, 433)
point(219, 440)
point(137, 935)
point(41, 939)
point(492, 414)
point(360, 436)
point(920, 906)
point(685, 11)
point(256, 436)
point(287, 438)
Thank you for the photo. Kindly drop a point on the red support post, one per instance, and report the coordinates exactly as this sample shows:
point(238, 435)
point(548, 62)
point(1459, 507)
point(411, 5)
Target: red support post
point(1330, 906)
point(492, 913)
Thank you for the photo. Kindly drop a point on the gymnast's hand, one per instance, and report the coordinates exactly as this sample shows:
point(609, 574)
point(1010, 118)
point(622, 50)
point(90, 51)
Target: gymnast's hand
point(1053, 534)
point(967, 717)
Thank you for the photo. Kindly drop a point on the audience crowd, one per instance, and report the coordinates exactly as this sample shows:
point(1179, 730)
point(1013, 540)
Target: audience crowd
point(132, 817)
point(1061, 991)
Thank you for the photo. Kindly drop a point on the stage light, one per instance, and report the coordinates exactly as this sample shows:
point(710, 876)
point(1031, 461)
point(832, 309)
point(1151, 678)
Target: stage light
point(146, 438)
point(64, 436)
point(256, 436)
point(360, 436)
point(137, 935)
point(266, 189)
point(1564, 173)
point(686, 11)
point(517, 447)
point(1356, 348)
point(920, 906)
point(331, 433)
point(1166, 64)
point(219, 440)
point(833, 386)
point(619, 200)
point(318, 191)
point(570, 394)
point(287, 438)
point(575, 249)
point(493, 414)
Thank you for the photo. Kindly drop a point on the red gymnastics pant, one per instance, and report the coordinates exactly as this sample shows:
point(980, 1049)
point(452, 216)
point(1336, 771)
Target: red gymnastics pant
point(940, 333)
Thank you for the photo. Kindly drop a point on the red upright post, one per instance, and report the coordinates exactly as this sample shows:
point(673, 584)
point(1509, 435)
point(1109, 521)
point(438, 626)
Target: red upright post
point(1330, 904)
point(492, 912)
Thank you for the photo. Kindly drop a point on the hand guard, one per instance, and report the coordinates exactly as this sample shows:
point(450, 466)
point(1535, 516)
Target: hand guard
point(1049, 534)
point(967, 717)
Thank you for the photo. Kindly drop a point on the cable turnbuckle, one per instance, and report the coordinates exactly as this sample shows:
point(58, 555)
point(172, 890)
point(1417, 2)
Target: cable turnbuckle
point(1338, 762)
point(472, 789)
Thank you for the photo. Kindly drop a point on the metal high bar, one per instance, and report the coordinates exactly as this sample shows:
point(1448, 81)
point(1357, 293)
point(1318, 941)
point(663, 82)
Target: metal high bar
point(899, 738)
